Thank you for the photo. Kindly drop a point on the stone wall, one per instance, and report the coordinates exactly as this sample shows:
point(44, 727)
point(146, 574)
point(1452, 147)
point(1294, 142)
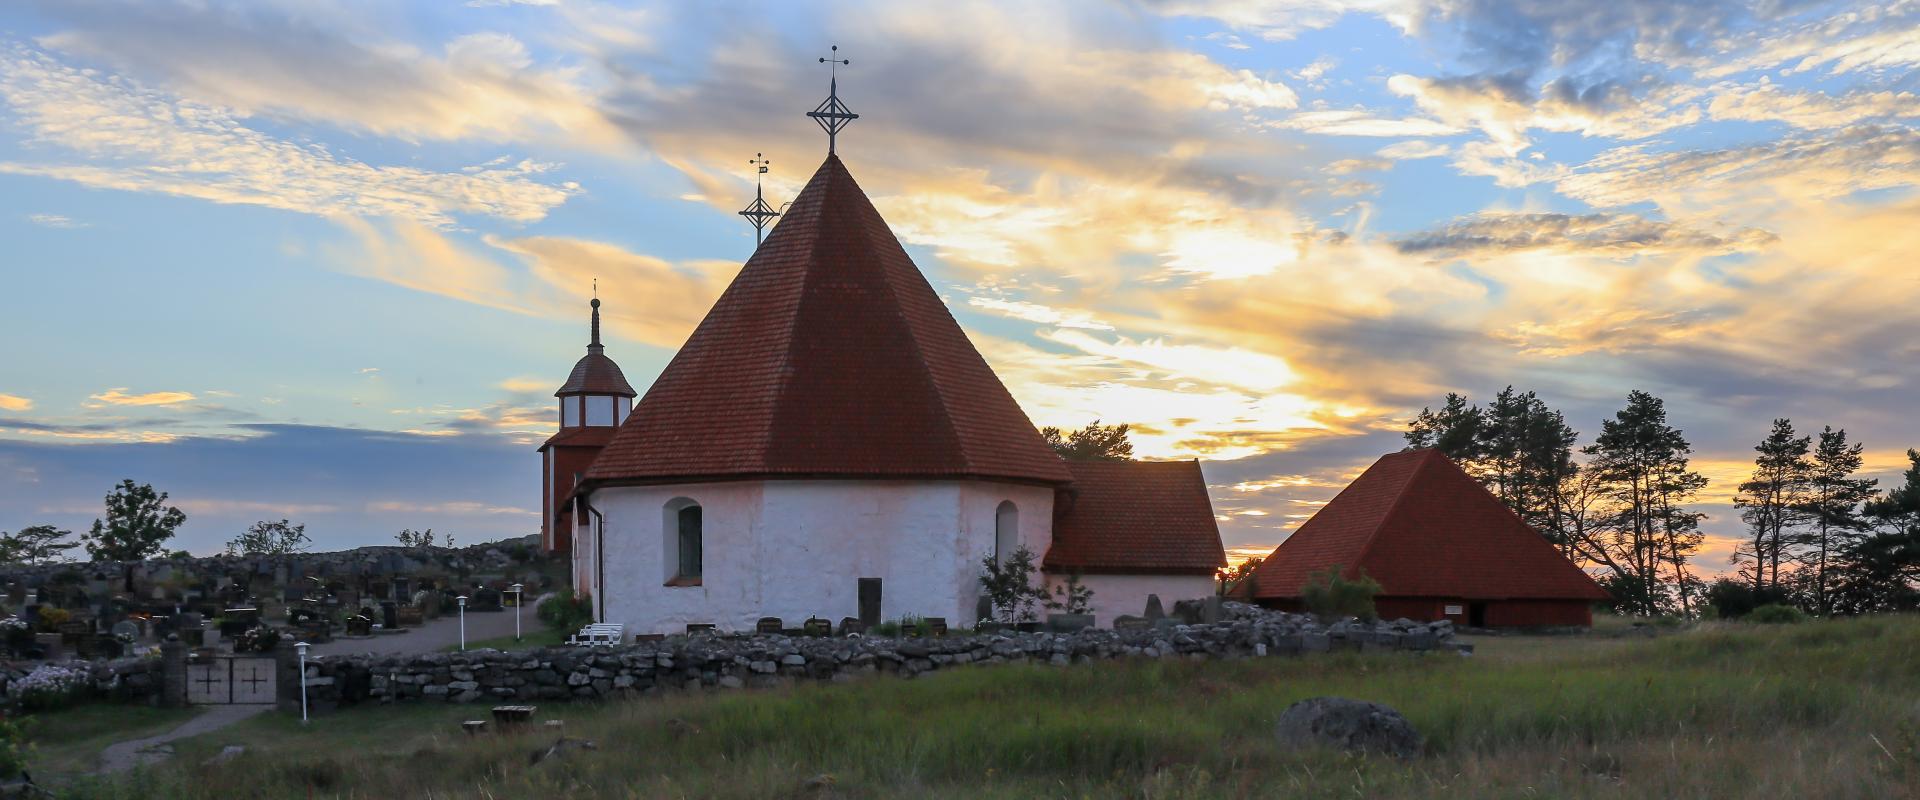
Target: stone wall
point(734, 662)
point(122, 680)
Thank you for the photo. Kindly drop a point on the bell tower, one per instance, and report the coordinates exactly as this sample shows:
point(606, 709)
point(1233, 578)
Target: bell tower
point(593, 402)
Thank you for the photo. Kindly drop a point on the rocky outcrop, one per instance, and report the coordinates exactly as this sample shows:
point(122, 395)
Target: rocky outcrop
point(1355, 726)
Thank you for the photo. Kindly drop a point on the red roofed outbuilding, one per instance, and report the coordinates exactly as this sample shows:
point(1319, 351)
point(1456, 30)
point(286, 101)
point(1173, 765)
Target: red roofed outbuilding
point(1133, 529)
point(1440, 545)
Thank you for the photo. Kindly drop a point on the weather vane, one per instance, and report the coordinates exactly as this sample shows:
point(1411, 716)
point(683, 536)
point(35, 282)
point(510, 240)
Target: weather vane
point(833, 115)
point(758, 212)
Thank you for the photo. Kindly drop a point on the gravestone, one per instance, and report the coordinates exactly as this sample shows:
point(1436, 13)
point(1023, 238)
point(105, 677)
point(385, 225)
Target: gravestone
point(767, 625)
point(817, 627)
point(850, 625)
point(937, 626)
point(389, 614)
point(1155, 612)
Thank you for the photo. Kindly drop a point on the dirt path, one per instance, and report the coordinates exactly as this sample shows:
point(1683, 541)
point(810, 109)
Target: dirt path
point(436, 635)
point(123, 756)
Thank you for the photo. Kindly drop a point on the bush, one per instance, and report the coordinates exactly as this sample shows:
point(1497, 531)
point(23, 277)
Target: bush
point(1776, 614)
point(1331, 596)
point(13, 749)
point(48, 687)
point(1731, 599)
point(566, 612)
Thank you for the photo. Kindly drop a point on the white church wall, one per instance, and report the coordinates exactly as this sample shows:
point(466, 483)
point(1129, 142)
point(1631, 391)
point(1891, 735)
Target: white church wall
point(1115, 595)
point(794, 549)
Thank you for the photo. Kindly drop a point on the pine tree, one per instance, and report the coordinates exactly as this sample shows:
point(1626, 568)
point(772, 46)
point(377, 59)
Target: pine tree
point(1640, 466)
point(1878, 572)
point(1771, 503)
point(1454, 430)
point(1833, 504)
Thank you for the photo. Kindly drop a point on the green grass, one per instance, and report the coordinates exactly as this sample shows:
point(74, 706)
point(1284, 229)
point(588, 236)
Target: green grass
point(69, 741)
point(1827, 709)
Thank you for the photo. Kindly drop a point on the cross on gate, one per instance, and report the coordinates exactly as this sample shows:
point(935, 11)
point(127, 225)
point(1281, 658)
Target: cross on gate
point(207, 681)
point(253, 679)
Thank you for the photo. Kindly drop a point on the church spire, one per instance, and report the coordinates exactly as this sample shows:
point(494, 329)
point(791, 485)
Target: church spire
point(593, 346)
point(833, 115)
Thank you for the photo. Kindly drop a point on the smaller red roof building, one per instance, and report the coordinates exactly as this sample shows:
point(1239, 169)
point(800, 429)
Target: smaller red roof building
point(1135, 518)
point(1440, 545)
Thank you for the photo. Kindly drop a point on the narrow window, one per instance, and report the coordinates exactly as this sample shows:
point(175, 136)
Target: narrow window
point(1006, 531)
point(600, 411)
point(689, 528)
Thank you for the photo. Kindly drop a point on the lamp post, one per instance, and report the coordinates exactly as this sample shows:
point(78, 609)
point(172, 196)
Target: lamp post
point(519, 599)
point(302, 647)
point(463, 621)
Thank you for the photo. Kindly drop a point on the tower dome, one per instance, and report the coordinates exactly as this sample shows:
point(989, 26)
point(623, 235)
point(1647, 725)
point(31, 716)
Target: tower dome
point(594, 401)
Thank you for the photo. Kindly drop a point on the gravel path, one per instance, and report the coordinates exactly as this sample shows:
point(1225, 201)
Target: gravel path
point(436, 635)
point(124, 756)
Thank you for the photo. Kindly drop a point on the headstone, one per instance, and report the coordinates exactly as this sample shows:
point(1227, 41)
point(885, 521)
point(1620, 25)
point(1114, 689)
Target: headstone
point(937, 626)
point(126, 630)
point(1155, 611)
point(767, 625)
point(817, 627)
point(851, 625)
point(700, 627)
point(870, 601)
point(389, 614)
point(1128, 622)
point(983, 609)
point(1068, 623)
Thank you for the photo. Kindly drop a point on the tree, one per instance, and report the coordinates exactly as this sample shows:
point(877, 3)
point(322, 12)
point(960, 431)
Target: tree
point(1771, 502)
point(1010, 588)
point(137, 524)
point(270, 539)
point(36, 544)
point(1095, 442)
point(415, 539)
point(1641, 471)
point(1072, 597)
point(1833, 504)
point(1454, 430)
point(1233, 579)
point(1516, 446)
point(1879, 572)
point(1331, 596)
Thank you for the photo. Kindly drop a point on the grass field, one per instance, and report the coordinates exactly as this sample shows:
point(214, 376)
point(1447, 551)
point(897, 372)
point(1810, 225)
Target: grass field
point(1826, 709)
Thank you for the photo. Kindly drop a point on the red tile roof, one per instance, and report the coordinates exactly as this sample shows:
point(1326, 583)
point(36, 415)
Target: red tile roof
point(595, 373)
point(1135, 517)
point(581, 436)
point(829, 355)
point(1422, 527)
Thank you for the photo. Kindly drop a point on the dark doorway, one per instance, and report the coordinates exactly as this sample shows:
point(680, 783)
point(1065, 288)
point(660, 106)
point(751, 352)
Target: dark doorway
point(869, 602)
point(1477, 615)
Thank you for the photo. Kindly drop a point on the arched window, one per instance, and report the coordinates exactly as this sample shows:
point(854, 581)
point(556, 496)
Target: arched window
point(1006, 531)
point(681, 541)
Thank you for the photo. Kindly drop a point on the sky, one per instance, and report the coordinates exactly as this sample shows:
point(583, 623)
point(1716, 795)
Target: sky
point(327, 260)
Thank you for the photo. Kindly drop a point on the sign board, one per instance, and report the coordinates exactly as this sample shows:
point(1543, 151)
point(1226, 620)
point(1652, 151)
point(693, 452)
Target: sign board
point(1454, 611)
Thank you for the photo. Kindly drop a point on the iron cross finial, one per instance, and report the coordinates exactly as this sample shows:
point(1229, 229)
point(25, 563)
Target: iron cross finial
point(832, 114)
point(758, 212)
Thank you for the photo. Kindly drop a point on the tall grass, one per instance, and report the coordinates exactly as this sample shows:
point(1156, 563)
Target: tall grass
point(1824, 709)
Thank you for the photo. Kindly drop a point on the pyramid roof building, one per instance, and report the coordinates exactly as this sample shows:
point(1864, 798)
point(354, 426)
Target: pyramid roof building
point(828, 356)
point(1422, 527)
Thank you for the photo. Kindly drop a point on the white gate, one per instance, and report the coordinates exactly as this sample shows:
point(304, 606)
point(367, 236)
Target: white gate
point(232, 680)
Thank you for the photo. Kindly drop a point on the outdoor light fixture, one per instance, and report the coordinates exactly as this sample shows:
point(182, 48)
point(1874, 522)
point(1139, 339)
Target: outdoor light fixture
point(302, 647)
point(463, 621)
point(519, 599)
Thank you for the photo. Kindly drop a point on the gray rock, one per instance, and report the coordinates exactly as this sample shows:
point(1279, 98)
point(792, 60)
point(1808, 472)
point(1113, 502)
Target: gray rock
point(560, 749)
point(1350, 725)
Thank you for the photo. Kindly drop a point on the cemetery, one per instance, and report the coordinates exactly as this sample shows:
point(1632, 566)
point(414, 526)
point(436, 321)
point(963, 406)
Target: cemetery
point(113, 631)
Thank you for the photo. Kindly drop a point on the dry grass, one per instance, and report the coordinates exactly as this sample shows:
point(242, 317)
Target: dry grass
point(1818, 710)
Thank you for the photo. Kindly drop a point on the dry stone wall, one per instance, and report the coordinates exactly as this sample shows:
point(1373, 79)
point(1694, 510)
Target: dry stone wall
point(733, 662)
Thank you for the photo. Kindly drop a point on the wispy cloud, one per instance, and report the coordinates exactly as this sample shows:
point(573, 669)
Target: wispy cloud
point(133, 138)
point(56, 221)
point(120, 397)
point(1603, 234)
point(14, 402)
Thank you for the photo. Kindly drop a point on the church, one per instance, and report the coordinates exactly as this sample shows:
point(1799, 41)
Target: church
point(829, 444)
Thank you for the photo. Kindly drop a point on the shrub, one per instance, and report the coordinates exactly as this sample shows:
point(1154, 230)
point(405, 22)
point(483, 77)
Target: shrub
point(1010, 587)
point(1731, 599)
point(13, 749)
point(1777, 614)
point(50, 618)
point(1331, 596)
point(1072, 597)
point(565, 611)
point(47, 687)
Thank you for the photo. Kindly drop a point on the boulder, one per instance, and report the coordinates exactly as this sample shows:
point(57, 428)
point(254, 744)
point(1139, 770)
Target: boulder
point(1350, 725)
point(562, 747)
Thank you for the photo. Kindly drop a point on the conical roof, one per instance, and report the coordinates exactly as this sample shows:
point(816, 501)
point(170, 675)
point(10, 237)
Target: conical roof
point(1423, 527)
point(828, 356)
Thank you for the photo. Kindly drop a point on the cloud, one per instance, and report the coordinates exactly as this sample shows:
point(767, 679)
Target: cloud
point(119, 397)
point(1034, 312)
point(56, 221)
point(132, 138)
point(1617, 235)
point(267, 59)
point(1417, 149)
point(1506, 108)
point(1812, 110)
point(14, 402)
point(525, 385)
point(1795, 169)
point(1279, 20)
point(1360, 122)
